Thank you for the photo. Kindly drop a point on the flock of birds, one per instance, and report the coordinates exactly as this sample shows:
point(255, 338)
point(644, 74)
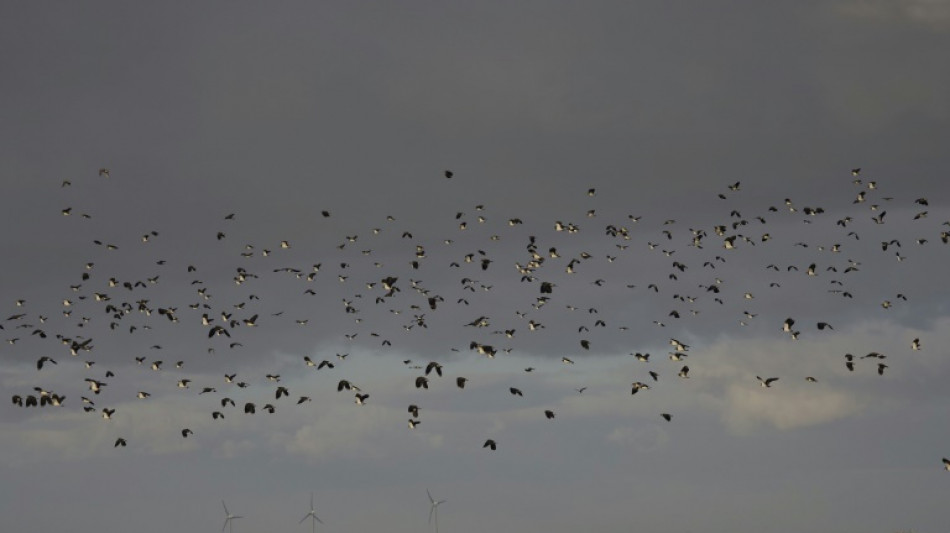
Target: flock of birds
point(552, 260)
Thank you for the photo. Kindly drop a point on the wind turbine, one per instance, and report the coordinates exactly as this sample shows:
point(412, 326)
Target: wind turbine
point(230, 517)
point(312, 514)
point(434, 510)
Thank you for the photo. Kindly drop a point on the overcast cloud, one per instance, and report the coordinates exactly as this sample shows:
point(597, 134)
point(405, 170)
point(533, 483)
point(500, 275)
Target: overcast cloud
point(277, 113)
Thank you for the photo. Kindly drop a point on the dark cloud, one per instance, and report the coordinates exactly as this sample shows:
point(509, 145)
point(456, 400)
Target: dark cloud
point(278, 114)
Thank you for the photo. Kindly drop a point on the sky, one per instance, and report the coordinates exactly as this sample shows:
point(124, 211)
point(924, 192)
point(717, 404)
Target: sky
point(229, 128)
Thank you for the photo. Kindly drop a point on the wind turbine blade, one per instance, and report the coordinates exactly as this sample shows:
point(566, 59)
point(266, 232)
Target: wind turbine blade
point(226, 522)
point(304, 518)
point(225, 508)
point(431, 500)
point(318, 519)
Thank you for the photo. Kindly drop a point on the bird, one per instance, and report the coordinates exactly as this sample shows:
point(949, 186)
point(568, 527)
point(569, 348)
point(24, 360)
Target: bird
point(95, 386)
point(637, 386)
point(766, 382)
point(434, 366)
point(787, 325)
point(490, 443)
point(549, 414)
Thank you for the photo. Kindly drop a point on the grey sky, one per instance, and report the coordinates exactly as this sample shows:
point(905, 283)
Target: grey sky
point(276, 113)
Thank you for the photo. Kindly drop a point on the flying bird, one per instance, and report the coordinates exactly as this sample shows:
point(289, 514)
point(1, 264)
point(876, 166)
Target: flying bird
point(787, 325)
